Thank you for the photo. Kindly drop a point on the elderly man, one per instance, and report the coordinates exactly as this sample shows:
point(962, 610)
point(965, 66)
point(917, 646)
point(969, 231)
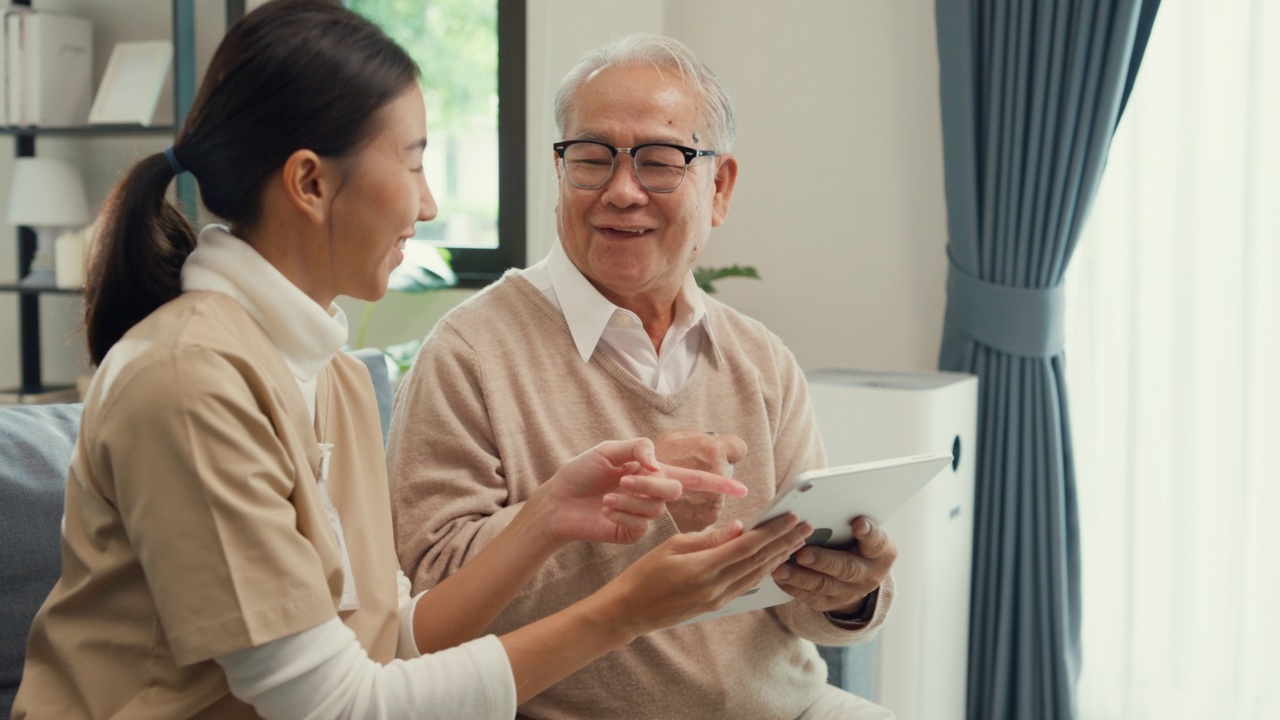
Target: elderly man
point(610, 337)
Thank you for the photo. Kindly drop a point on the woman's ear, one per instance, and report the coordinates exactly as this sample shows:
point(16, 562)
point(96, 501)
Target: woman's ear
point(309, 184)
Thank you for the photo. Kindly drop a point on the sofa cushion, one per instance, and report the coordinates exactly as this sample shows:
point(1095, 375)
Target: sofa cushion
point(35, 450)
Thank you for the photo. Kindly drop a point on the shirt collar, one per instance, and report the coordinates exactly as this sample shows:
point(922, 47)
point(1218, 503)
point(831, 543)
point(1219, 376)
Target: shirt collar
point(587, 312)
point(307, 335)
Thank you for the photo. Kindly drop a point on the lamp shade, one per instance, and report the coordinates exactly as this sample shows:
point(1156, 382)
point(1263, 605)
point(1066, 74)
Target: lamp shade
point(46, 193)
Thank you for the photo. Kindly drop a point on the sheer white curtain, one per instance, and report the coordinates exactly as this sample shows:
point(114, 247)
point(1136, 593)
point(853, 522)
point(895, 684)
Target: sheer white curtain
point(1173, 365)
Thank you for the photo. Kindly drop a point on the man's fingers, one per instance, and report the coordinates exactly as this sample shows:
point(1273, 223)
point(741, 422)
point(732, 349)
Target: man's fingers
point(790, 576)
point(705, 481)
point(807, 597)
point(873, 541)
point(703, 450)
point(733, 447)
point(839, 564)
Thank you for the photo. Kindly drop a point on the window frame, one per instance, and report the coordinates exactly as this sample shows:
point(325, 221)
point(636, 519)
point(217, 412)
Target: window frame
point(477, 267)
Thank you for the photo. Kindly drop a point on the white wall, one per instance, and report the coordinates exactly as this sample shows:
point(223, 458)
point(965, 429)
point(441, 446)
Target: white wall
point(839, 201)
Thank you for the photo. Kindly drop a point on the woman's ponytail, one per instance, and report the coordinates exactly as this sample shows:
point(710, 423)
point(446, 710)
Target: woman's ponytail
point(139, 247)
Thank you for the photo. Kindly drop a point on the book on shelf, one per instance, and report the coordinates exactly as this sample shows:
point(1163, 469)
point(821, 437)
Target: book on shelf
point(11, 45)
point(48, 68)
point(4, 66)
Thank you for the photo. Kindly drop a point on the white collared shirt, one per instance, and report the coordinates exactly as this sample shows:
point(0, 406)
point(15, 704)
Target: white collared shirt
point(595, 322)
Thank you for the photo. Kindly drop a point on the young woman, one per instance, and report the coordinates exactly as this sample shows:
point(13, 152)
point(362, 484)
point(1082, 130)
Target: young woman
point(227, 546)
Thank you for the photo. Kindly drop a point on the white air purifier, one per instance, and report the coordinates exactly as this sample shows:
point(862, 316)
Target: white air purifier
point(917, 665)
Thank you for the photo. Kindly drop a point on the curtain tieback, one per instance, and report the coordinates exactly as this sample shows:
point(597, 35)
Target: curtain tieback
point(1014, 320)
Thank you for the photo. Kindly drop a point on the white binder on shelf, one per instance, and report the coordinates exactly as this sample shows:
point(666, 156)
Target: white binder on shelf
point(4, 71)
point(57, 65)
point(13, 80)
point(4, 67)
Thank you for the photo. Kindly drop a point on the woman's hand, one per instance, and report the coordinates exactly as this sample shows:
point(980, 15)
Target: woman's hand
point(689, 574)
point(611, 492)
point(693, 573)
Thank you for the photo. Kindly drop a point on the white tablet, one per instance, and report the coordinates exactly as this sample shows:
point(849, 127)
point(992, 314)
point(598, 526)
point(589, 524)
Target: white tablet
point(829, 500)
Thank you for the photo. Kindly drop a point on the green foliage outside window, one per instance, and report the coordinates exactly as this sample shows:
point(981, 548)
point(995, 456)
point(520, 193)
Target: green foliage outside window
point(455, 44)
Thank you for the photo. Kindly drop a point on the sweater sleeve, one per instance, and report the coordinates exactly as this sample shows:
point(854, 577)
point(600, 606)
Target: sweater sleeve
point(449, 493)
point(798, 447)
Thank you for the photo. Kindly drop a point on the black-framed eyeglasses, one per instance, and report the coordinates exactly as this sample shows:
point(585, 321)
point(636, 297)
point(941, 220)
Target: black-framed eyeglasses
point(660, 167)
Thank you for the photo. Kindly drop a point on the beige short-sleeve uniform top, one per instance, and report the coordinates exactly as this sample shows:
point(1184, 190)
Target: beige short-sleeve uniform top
point(194, 525)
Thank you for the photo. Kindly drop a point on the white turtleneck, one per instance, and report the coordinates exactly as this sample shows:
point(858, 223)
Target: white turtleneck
point(307, 335)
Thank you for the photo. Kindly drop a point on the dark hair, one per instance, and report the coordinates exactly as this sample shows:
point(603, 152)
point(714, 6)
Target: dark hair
point(290, 75)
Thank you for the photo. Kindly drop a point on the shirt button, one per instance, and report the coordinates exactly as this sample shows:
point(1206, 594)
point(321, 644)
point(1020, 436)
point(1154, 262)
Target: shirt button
point(624, 321)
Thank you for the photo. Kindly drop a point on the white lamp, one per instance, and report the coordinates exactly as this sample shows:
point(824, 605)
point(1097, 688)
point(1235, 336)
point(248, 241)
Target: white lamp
point(48, 196)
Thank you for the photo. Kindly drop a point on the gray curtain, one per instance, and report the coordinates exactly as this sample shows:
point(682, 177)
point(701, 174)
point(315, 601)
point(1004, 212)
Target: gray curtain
point(1031, 94)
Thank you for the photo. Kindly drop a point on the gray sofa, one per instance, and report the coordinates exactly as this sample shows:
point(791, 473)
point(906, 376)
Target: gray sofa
point(35, 449)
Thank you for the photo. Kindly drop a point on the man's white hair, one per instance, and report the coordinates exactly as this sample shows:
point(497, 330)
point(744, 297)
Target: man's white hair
point(661, 51)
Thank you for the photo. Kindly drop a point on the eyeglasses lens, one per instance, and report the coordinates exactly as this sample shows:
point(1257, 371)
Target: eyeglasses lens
point(590, 165)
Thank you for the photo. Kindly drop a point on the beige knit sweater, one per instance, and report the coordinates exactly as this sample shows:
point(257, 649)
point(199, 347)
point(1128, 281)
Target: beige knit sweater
point(499, 398)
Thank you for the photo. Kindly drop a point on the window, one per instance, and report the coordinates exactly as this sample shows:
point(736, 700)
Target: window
point(471, 53)
point(1172, 340)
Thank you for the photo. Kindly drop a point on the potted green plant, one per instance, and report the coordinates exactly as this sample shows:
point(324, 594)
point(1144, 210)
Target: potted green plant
point(706, 277)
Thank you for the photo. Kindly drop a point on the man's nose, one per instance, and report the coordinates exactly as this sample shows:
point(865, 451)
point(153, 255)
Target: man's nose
point(624, 188)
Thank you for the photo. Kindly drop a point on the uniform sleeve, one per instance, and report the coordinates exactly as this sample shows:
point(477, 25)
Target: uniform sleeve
point(203, 486)
point(449, 493)
point(797, 448)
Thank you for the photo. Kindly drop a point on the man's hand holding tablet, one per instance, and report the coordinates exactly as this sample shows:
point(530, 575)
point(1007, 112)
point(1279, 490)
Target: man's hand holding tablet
point(849, 553)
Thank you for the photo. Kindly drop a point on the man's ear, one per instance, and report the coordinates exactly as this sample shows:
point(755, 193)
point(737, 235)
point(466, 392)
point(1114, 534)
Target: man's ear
point(309, 183)
point(555, 163)
point(726, 177)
